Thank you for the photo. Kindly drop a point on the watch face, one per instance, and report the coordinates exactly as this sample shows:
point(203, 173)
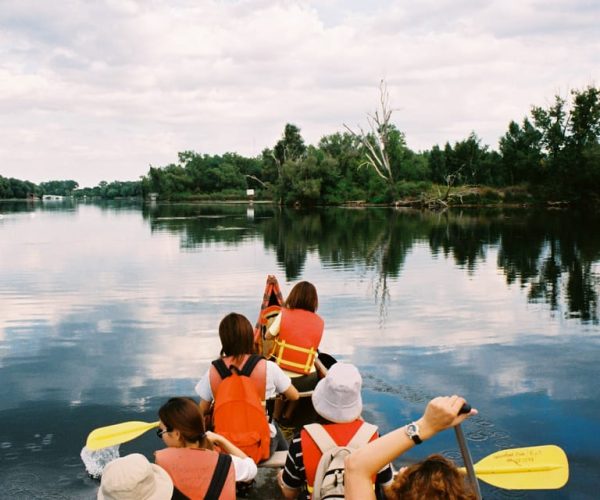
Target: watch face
point(412, 429)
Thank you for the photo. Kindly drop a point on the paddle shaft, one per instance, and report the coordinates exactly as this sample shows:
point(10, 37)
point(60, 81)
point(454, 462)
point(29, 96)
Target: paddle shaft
point(466, 454)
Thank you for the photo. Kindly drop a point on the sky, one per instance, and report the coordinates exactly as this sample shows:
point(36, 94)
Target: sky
point(94, 90)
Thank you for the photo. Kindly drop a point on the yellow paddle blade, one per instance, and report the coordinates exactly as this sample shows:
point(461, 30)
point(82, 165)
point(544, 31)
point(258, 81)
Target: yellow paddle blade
point(532, 468)
point(112, 435)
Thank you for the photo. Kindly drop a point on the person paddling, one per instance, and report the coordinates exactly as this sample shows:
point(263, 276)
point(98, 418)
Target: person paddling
point(436, 478)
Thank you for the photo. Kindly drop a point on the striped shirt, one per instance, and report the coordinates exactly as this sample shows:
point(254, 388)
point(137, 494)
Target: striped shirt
point(294, 475)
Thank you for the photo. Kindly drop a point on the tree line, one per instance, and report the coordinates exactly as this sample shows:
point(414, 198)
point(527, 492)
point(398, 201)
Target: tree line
point(11, 188)
point(552, 154)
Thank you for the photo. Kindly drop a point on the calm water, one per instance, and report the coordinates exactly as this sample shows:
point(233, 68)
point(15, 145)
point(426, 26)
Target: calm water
point(107, 310)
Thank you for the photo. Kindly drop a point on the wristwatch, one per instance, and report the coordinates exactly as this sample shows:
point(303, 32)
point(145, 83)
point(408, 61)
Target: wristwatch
point(412, 431)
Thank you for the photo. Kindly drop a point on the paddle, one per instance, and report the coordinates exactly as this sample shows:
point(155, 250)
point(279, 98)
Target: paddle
point(532, 468)
point(112, 435)
point(466, 454)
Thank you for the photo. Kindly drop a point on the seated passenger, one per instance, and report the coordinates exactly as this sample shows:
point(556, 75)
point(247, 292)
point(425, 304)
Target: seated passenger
point(132, 476)
point(296, 333)
point(338, 402)
point(191, 459)
point(237, 345)
point(435, 478)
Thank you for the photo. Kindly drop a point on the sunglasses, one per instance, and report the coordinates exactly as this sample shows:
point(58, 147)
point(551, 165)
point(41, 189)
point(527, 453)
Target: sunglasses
point(160, 432)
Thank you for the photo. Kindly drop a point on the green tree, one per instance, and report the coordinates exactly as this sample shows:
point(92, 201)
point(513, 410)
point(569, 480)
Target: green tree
point(351, 181)
point(60, 188)
point(552, 124)
point(281, 161)
point(438, 169)
point(291, 146)
point(570, 135)
point(585, 118)
point(521, 153)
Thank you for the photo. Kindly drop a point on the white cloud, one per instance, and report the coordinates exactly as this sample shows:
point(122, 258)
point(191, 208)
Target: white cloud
point(100, 90)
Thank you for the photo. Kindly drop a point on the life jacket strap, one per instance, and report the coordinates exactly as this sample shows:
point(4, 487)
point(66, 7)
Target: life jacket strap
point(279, 347)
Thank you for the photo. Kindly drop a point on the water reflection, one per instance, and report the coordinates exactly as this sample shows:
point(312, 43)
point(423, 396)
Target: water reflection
point(105, 313)
point(554, 255)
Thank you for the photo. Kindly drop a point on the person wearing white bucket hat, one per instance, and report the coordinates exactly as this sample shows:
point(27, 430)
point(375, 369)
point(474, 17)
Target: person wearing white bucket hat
point(133, 477)
point(337, 399)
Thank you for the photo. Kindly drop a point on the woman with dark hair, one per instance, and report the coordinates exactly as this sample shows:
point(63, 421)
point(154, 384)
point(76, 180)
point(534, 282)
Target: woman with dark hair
point(191, 459)
point(435, 478)
point(296, 334)
point(237, 345)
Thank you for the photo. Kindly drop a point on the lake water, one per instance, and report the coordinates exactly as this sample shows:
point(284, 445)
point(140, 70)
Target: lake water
point(108, 310)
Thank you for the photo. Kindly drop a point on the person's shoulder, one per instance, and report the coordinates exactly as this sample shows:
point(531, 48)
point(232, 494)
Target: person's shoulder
point(359, 422)
point(275, 368)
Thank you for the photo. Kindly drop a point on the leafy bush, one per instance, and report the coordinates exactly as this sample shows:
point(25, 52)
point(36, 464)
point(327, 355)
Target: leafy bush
point(517, 194)
point(412, 189)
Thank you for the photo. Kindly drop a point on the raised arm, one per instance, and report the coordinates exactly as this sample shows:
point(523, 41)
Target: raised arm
point(441, 413)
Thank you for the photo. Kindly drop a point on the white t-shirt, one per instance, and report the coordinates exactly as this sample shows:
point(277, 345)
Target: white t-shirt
point(245, 468)
point(277, 383)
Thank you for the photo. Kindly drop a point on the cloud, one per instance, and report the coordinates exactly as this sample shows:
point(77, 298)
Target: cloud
point(98, 91)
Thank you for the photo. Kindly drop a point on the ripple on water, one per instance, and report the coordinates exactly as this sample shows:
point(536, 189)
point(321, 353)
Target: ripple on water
point(72, 461)
point(19, 479)
point(453, 455)
point(27, 485)
point(33, 447)
point(508, 494)
point(11, 455)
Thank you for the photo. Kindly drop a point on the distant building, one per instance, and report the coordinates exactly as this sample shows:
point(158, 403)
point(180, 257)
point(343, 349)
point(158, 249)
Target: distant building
point(52, 197)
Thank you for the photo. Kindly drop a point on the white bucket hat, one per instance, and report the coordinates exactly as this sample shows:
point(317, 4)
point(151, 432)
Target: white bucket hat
point(134, 478)
point(337, 397)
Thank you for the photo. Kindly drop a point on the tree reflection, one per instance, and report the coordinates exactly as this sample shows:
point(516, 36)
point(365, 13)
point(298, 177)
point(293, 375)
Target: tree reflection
point(466, 237)
point(553, 254)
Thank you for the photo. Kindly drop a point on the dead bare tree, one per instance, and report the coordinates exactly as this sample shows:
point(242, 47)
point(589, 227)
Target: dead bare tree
point(257, 180)
point(375, 141)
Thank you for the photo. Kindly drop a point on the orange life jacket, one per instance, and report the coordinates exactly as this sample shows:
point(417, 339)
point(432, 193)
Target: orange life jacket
point(258, 375)
point(295, 348)
point(311, 454)
point(191, 470)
